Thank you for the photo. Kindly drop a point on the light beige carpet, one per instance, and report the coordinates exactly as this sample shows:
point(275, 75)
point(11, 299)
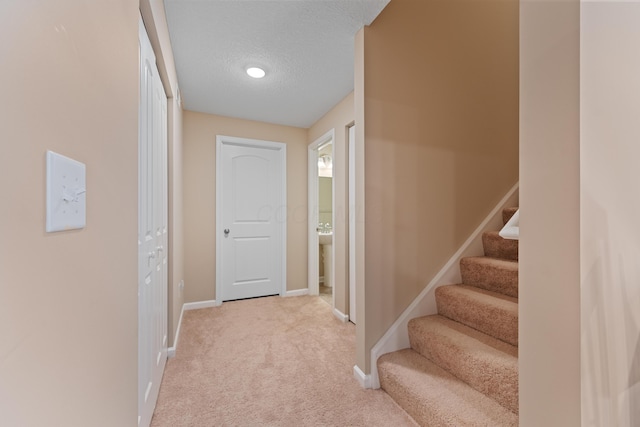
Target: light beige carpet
point(462, 367)
point(269, 362)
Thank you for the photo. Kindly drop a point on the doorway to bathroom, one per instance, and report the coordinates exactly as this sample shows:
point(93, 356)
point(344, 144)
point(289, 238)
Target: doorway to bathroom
point(321, 218)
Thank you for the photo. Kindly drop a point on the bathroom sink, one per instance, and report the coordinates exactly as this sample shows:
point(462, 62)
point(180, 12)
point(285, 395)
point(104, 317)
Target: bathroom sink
point(325, 238)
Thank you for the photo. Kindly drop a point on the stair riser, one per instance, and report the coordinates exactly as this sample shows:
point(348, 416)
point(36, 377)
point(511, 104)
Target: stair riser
point(488, 371)
point(497, 247)
point(462, 368)
point(490, 277)
point(497, 320)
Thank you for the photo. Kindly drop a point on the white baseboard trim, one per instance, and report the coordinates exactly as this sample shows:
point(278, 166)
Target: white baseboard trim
point(297, 293)
point(363, 379)
point(199, 304)
point(397, 336)
point(340, 315)
point(171, 351)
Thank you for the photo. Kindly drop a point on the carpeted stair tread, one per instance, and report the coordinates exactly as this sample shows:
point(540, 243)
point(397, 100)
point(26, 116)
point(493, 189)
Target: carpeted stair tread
point(496, 246)
point(434, 397)
point(488, 312)
point(507, 213)
point(492, 274)
point(487, 364)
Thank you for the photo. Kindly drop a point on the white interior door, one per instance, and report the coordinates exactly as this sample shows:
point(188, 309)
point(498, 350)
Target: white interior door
point(352, 224)
point(251, 225)
point(152, 232)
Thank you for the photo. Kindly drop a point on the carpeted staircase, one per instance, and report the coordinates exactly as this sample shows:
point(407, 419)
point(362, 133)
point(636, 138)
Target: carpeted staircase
point(462, 367)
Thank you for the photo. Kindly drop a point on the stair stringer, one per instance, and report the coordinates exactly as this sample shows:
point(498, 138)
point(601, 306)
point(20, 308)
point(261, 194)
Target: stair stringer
point(397, 336)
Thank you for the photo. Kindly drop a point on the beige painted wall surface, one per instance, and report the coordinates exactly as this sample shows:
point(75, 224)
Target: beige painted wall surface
point(153, 14)
point(610, 208)
point(199, 138)
point(68, 300)
point(338, 118)
point(549, 269)
point(362, 352)
point(441, 140)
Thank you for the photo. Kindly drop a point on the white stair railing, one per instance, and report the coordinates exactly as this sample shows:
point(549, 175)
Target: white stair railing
point(511, 229)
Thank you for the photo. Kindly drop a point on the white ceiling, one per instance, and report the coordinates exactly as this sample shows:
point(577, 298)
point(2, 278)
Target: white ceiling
point(305, 46)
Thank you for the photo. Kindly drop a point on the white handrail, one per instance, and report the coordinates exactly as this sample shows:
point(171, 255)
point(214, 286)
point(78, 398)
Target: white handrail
point(511, 229)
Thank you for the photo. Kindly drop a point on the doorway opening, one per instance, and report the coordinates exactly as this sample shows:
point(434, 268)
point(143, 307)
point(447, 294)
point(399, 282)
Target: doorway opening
point(321, 218)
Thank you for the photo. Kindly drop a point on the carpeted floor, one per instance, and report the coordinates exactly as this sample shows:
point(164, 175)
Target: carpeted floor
point(462, 367)
point(269, 362)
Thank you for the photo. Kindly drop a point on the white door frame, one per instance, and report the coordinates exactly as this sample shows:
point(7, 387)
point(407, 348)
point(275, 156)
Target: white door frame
point(312, 180)
point(351, 142)
point(281, 212)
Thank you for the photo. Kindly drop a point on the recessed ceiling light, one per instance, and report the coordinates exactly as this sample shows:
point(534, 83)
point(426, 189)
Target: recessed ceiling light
point(255, 72)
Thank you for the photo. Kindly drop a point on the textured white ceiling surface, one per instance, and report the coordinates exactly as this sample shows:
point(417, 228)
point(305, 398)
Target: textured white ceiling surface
point(306, 48)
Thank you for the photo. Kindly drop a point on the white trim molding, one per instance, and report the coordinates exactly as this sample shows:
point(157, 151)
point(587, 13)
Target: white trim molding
point(363, 379)
point(340, 315)
point(297, 292)
point(199, 304)
point(397, 336)
point(171, 351)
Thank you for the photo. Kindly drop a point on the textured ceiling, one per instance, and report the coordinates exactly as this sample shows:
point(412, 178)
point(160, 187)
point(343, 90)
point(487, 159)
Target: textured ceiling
point(305, 46)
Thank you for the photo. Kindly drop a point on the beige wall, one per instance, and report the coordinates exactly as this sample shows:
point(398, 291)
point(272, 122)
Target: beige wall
point(362, 351)
point(610, 208)
point(199, 138)
point(549, 274)
point(441, 141)
point(68, 300)
point(155, 21)
point(338, 118)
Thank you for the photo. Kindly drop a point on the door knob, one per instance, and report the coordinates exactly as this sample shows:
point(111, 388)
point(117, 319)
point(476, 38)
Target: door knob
point(226, 232)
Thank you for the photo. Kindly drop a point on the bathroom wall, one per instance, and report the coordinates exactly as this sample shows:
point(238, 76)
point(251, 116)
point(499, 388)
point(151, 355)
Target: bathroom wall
point(325, 200)
point(325, 212)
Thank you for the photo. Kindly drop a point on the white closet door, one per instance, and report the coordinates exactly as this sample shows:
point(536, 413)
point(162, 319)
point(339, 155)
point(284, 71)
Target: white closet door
point(152, 232)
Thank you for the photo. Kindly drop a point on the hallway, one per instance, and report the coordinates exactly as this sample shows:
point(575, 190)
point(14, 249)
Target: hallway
point(271, 362)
